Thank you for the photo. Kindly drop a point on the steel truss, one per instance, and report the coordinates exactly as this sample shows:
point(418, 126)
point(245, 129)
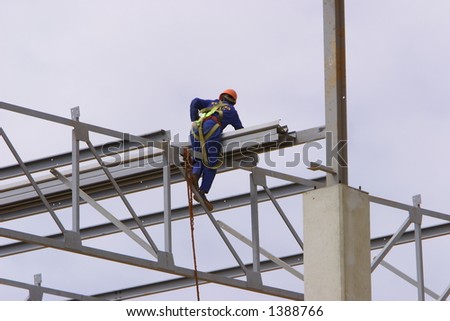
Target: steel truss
point(153, 161)
point(88, 176)
point(162, 158)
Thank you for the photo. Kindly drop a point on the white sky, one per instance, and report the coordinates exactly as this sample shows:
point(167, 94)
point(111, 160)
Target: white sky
point(135, 65)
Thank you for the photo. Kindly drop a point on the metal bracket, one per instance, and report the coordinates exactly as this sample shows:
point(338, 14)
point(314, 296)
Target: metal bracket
point(72, 239)
point(75, 112)
point(81, 132)
point(165, 259)
point(259, 177)
point(36, 293)
point(38, 279)
point(254, 279)
point(417, 200)
point(415, 214)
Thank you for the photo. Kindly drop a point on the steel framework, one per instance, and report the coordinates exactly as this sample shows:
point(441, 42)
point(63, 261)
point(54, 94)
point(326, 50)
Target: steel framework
point(87, 176)
point(152, 161)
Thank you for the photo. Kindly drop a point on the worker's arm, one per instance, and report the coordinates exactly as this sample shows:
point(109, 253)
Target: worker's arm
point(234, 119)
point(231, 116)
point(196, 105)
point(237, 123)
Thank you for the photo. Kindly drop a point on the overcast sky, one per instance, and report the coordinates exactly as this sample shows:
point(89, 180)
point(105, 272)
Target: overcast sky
point(134, 66)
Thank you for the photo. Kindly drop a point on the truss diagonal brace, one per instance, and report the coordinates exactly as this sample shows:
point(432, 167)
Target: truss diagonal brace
point(390, 244)
point(408, 279)
point(260, 174)
point(284, 217)
point(445, 295)
point(122, 196)
point(264, 252)
point(217, 227)
point(106, 214)
point(31, 179)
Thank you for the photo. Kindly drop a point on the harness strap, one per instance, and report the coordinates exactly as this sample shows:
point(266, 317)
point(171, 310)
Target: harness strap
point(206, 114)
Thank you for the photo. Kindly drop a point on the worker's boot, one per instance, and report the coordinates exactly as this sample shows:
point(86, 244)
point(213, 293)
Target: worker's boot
point(207, 203)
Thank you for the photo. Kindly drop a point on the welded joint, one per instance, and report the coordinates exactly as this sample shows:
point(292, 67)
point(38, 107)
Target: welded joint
point(258, 177)
point(415, 216)
point(165, 259)
point(254, 279)
point(72, 239)
point(35, 294)
point(81, 131)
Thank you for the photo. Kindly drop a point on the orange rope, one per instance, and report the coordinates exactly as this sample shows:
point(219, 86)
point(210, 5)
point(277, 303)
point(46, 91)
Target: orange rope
point(191, 215)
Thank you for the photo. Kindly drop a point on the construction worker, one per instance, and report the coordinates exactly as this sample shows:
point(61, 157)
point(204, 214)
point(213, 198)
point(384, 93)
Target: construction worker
point(210, 118)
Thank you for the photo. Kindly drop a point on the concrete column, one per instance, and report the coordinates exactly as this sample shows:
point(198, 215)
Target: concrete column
point(337, 244)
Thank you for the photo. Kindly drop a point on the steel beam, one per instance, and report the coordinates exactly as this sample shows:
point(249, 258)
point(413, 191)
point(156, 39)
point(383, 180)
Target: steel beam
point(335, 88)
point(158, 217)
point(408, 279)
point(262, 251)
point(132, 176)
point(255, 224)
point(416, 218)
point(149, 248)
point(275, 174)
point(167, 200)
point(181, 283)
point(35, 186)
point(216, 225)
point(107, 149)
point(146, 264)
point(122, 196)
point(388, 246)
point(293, 260)
point(77, 124)
point(42, 290)
point(75, 174)
point(445, 295)
point(284, 217)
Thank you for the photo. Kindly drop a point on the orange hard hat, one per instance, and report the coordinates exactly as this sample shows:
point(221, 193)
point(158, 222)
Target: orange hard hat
point(230, 92)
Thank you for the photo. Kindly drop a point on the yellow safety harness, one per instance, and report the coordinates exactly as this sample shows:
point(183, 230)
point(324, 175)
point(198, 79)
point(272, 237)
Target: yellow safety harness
point(197, 128)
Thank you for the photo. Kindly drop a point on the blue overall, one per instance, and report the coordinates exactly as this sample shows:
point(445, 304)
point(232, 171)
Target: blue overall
point(214, 143)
